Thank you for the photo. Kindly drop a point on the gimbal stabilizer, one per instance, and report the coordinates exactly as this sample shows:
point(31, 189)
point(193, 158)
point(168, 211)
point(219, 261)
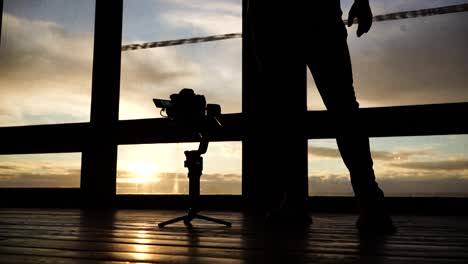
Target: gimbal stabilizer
point(194, 163)
point(190, 110)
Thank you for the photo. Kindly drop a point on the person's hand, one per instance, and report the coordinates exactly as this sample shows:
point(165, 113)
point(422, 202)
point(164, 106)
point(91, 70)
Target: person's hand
point(362, 11)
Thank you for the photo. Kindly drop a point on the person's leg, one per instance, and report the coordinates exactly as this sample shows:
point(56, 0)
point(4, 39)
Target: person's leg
point(329, 62)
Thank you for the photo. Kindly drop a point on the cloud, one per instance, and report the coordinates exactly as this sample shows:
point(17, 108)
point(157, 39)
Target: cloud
point(204, 23)
point(45, 74)
point(177, 183)
point(397, 185)
point(329, 185)
point(441, 165)
point(46, 68)
point(231, 150)
point(321, 182)
point(152, 73)
point(20, 177)
point(333, 153)
point(44, 52)
point(324, 152)
point(157, 67)
point(7, 167)
point(220, 61)
point(395, 182)
point(409, 61)
point(205, 16)
point(440, 185)
point(212, 69)
point(225, 177)
point(229, 6)
point(40, 170)
point(414, 61)
point(125, 176)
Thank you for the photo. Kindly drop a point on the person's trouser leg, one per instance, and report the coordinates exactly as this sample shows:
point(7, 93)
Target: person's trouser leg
point(329, 62)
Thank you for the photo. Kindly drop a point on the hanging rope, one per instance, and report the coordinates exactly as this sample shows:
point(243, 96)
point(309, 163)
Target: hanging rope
point(378, 18)
point(166, 43)
point(422, 12)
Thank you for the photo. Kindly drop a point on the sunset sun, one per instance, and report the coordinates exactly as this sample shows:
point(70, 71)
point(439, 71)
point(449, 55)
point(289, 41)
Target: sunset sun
point(143, 171)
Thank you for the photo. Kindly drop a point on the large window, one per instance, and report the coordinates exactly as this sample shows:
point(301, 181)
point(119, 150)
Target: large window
point(40, 170)
point(403, 62)
point(409, 61)
point(210, 68)
point(159, 169)
point(404, 166)
point(46, 56)
point(46, 60)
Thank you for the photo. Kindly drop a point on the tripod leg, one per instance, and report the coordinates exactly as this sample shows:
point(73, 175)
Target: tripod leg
point(214, 220)
point(177, 219)
point(188, 218)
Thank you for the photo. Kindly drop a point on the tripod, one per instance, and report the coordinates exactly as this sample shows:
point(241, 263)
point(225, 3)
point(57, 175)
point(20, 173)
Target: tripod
point(194, 163)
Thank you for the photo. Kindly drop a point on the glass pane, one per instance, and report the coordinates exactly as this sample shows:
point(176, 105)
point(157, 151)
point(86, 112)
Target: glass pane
point(40, 170)
point(159, 168)
point(212, 69)
point(404, 166)
point(46, 61)
point(409, 61)
point(157, 20)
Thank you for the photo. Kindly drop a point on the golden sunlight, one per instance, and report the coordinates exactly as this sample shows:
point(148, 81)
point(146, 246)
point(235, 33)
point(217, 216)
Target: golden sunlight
point(143, 171)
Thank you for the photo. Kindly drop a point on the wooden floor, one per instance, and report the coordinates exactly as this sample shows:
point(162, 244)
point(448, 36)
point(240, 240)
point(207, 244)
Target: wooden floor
point(123, 236)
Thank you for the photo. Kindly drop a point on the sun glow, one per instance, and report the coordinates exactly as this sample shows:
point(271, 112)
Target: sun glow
point(143, 171)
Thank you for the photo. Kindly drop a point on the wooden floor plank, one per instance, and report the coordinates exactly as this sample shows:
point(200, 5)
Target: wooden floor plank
point(79, 256)
point(35, 259)
point(182, 239)
point(80, 236)
point(34, 255)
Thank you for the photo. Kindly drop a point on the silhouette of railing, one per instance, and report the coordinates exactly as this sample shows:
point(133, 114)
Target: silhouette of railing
point(397, 121)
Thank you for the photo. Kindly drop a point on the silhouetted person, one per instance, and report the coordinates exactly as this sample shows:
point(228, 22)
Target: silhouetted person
point(288, 36)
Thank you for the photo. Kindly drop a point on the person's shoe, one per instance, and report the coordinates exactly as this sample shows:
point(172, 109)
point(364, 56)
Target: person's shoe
point(375, 222)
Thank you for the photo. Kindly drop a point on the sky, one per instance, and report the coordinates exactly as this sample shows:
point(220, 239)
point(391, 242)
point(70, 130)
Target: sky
point(45, 78)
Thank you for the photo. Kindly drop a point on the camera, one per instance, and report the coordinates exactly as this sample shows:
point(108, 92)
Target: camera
point(188, 107)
